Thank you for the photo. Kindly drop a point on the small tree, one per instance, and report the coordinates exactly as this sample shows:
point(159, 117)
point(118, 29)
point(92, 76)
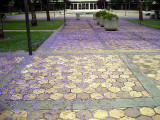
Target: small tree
point(4, 2)
point(116, 2)
point(33, 12)
point(46, 2)
point(19, 4)
point(101, 4)
point(148, 3)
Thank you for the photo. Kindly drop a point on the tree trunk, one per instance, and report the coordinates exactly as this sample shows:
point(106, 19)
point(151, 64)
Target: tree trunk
point(1, 28)
point(121, 6)
point(33, 13)
point(137, 3)
point(19, 10)
point(47, 11)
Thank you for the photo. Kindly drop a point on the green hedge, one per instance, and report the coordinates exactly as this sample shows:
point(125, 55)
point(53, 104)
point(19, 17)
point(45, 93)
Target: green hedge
point(106, 15)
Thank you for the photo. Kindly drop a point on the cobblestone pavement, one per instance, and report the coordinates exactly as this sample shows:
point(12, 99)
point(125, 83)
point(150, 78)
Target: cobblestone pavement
point(83, 72)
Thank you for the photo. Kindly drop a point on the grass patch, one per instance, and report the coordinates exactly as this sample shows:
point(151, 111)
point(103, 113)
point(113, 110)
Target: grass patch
point(147, 22)
point(42, 25)
point(12, 14)
point(18, 41)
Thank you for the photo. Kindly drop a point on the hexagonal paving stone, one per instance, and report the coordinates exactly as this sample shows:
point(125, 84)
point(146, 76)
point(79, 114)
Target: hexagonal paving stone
point(130, 84)
point(71, 85)
point(84, 114)
point(146, 94)
point(94, 85)
point(135, 94)
point(116, 113)
point(156, 117)
point(38, 91)
point(132, 112)
point(22, 115)
point(100, 114)
point(89, 90)
point(5, 114)
point(114, 89)
point(16, 97)
point(83, 96)
point(96, 96)
point(68, 114)
point(56, 96)
point(110, 95)
point(127, 88)
point(127, 118)
point(51, 90)
point(29, 97)
point(70, 96)
point(144, 118)
point(157, 109)
point(147, 111)
point(77, 90)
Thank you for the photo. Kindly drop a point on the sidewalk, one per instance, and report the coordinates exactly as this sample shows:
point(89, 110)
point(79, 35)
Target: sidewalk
point(83, 72)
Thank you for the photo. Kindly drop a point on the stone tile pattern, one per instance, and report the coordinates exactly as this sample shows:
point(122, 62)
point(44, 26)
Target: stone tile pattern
point(125, 41)
point(150, 65)
point(76, 35)
point(138, 113)
point(74, 77)
point(148, 34)
point(7, 64)
point(129, 36)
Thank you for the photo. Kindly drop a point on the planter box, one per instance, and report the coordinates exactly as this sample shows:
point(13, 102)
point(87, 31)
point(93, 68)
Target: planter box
point(77, 16)
point(111, 25)
point(101, 21)
point(94, 16)
point(98, 20)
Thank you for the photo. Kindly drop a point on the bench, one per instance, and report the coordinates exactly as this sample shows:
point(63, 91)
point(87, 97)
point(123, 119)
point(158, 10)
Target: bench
point(82, 13)
point(148, 13)
point(151, 14)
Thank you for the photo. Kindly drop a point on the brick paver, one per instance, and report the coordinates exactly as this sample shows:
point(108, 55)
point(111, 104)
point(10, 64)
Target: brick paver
point(83, 72)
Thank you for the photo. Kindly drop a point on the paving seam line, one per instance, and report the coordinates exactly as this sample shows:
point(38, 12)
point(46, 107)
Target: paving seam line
point(144, 80)
point(105, 47)
point(30, 30)
point(106, 52)
point(78, 104)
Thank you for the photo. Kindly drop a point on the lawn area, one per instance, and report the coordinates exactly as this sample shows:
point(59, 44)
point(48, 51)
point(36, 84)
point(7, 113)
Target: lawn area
point(147, 22)
point(18, 41)
point(42, 25)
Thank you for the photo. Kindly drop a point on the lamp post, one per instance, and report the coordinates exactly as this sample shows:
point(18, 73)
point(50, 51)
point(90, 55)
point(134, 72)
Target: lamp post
point(125, 7)
point(140, 13)
point(27, 27)
point(64, 12)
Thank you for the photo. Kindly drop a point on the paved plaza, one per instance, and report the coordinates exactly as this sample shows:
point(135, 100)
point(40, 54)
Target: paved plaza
point(82, 72)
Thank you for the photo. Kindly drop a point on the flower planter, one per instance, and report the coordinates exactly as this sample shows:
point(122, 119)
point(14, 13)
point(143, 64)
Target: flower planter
point(98, 20)
point(101, 21)
point(111, 25)
point(94, 16)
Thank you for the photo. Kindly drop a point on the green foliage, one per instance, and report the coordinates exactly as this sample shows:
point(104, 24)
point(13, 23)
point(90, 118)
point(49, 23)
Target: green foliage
point(109, 16)
point(18, 41)
point(106, 15)
point(100, 13)
point(116, 2)
point(19, 4)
